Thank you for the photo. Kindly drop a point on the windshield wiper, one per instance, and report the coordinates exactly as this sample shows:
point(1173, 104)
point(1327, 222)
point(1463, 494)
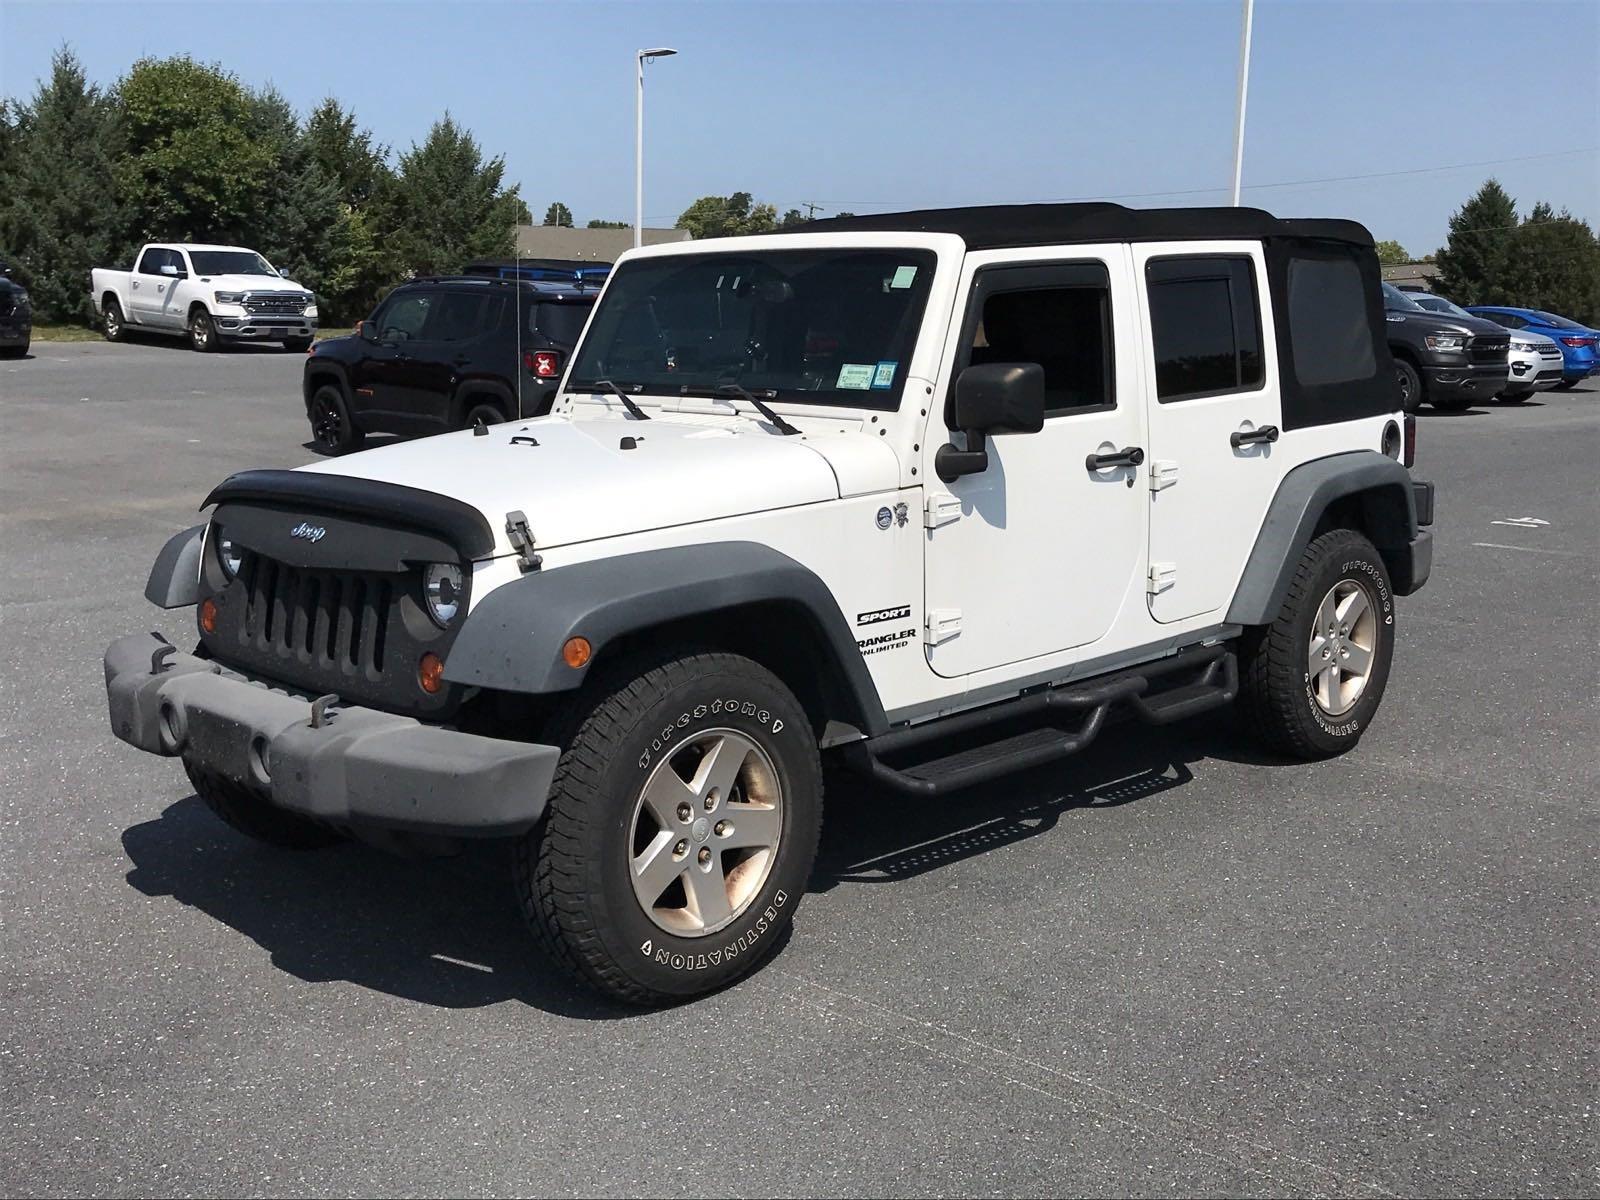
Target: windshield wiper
point(639, 414)
point(760, 405)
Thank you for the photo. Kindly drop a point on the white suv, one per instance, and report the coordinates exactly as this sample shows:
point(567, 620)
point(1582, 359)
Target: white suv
point(870, 490)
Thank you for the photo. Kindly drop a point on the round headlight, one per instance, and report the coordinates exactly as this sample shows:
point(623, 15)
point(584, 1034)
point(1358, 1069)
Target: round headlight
point(441, 588)
point(228, 554)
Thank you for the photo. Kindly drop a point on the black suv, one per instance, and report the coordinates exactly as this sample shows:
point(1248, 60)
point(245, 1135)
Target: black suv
point(444, 353)
point(1443, 359)
point(16, 316)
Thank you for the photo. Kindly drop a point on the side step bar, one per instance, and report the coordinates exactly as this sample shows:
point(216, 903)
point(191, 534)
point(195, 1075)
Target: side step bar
point(1215, 683)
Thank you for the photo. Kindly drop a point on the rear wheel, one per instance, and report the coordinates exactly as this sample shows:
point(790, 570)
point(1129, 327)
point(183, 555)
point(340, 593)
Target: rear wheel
point(331, 427)
point(111, 314)
point(1311, 681)
point(202, 333)
point(681, 828)
point(254, 817)
point(489, 414)
point(1411, 390)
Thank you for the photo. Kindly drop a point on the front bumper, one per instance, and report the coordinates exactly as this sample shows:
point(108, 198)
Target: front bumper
point(345, 766)
point(266, 327)
point(1466, 379)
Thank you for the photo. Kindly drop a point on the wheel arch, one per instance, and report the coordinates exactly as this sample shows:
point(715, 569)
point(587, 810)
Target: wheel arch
point(476, 391)
point(1361, 490)
point(320, 374)
point(739, 597)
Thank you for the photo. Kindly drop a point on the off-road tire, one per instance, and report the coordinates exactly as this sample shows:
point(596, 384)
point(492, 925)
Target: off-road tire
point(1276, 700)
point(116, 325)
point(332, 429)
point(254, 817)
point(572, 872)
point(1412, 390)
point(297, 345)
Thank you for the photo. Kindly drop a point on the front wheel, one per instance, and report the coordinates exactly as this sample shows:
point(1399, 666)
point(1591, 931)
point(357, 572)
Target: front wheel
point(680, 831)
point(331, 427)
point(1311, 681)
point(202, 333)
point(1410, 381)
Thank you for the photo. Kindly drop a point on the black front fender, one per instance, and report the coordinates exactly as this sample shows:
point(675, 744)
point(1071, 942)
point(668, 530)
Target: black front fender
point(513, 637)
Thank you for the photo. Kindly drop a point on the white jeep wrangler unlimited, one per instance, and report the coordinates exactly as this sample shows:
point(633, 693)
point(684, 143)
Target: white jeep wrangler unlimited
point(873, 489)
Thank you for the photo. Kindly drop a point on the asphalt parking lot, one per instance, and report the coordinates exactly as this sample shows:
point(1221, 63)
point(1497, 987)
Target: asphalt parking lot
point(1170, 966)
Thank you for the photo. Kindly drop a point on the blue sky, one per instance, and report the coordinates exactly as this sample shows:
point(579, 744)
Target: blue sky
point(872, 106)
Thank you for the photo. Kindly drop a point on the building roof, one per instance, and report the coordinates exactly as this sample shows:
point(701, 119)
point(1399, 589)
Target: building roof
point(1000, 225)
point(587, 245)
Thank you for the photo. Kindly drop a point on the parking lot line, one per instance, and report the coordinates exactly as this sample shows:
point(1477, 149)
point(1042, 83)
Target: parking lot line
point(1528, 549)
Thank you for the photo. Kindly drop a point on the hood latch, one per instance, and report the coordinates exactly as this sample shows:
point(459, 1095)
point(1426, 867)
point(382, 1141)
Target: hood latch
point(522, 540)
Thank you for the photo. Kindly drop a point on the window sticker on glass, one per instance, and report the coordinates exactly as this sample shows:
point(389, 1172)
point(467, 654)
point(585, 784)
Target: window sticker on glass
point(903, 277)
point(857, 376)
point(883, 376)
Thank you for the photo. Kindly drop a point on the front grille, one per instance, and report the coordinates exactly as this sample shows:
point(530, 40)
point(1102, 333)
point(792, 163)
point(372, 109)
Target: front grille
point(276, 303)
point(1488, 348)
point(319, 627)
point(1549, 354)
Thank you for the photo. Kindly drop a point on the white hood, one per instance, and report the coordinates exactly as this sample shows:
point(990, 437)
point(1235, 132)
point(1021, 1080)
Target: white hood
point(252, 283)
point(578, 483)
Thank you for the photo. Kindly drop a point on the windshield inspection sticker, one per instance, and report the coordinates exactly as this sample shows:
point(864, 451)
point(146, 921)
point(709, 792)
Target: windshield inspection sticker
point(856, 376)
point(883, 376)
point(903, 277)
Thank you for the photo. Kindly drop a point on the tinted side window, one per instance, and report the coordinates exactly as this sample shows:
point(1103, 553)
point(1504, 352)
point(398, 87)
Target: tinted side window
point(561, 323)
point(151, 261)
point(1205, 323)
point(406, 316)
point(1328, 328)
point(457, 317)
point(1065, 329)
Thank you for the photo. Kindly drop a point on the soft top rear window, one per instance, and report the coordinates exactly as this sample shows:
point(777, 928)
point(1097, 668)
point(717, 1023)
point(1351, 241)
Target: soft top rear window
point(827, 326)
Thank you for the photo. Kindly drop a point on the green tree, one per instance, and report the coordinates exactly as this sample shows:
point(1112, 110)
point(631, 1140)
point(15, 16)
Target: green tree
point(608, 225)
point(451, 204)
point(58, 208)
point(197, 154)
point(728, 216)
point(364, 266)
point(791, 218)
point(346, 153)
point(1554, 264)
point(558, 214)
point(1392, 254)
point(1473, 261)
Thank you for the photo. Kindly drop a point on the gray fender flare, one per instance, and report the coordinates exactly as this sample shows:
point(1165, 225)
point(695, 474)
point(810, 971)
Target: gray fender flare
point(1388, 508)
point(175, 578)
point(512, 638)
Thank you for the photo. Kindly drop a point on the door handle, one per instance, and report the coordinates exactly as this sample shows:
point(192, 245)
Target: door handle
point(1256, 437)
point(1128, 456)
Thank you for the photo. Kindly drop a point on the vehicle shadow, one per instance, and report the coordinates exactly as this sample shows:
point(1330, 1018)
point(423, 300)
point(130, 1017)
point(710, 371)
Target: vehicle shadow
point(1428, 411)
point(446, 931)
point(373, 442)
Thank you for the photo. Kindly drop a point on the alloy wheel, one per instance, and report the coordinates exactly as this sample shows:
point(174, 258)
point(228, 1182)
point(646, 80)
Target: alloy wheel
point(1344, 639)
point(705, 833)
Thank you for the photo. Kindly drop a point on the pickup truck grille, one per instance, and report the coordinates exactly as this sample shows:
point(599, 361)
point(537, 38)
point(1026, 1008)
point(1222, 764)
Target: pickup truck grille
point(276, 303)
point(315, 627)
point(1489, 348)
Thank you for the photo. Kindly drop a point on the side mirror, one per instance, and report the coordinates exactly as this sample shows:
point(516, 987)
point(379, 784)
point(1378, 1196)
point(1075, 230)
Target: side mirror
point(991, 398)
point(283, 272)
point(169, 269)
point(366, 331)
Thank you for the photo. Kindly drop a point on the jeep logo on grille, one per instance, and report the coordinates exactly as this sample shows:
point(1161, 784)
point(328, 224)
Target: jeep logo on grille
point(308, 532)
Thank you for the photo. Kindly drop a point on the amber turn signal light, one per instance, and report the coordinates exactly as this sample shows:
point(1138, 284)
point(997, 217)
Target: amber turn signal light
point(208, 615)
point(575, 652)
point(430, 673)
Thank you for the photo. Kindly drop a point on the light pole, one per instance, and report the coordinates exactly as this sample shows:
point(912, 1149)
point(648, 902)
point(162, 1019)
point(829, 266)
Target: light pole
point(1244, 92)
point(638, 141)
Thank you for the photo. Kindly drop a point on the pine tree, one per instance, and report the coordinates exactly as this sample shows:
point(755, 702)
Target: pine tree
point(558, 214)
point(58, 214)
point(1554, 264)
point(1473, 263)
point(450, 204)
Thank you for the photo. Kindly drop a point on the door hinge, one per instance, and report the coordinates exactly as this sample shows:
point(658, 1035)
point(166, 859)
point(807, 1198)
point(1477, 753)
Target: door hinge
point(521, 538)
point(1163, 575)
point(940, 509)
point(943, 624)
point(1163, 473)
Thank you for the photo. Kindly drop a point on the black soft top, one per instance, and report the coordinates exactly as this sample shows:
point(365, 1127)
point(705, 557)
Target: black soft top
point(995, 226)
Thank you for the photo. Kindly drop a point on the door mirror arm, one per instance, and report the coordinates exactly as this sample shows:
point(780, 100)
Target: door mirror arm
point(950, 464)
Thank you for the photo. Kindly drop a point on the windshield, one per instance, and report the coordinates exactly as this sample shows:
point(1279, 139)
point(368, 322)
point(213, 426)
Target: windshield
point(1397, 301)
point(230, 262)
point(817, 326)
point(1440, 304)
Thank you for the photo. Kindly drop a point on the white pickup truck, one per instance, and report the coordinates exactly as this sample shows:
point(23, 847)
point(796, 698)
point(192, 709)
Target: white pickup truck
point(211, 294)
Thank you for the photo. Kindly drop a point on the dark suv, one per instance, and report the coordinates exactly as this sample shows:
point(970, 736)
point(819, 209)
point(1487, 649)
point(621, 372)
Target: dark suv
point(1443, 359)
point(16, 316)
point(445, 353)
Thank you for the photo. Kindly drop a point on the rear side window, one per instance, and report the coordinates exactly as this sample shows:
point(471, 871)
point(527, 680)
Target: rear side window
point(1205, 320)
point(561, 323)
point(1328, 322)
point(458, 316)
